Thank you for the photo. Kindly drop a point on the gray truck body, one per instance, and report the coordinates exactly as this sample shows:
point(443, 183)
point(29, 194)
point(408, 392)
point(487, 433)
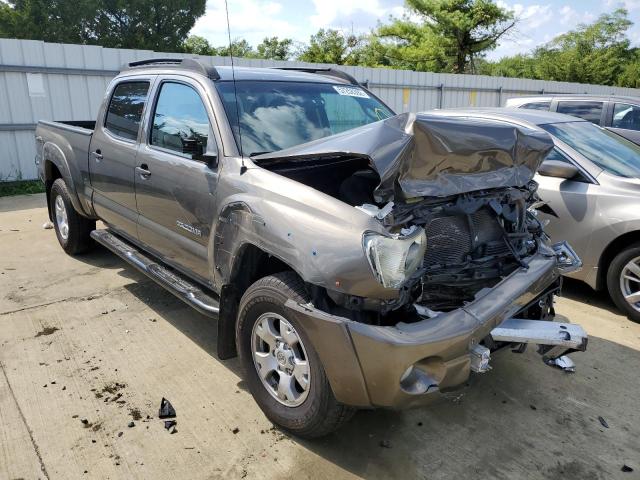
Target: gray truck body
point(221, 223)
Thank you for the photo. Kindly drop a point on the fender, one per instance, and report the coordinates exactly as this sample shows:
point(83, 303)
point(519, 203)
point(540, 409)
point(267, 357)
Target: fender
point(52, 154)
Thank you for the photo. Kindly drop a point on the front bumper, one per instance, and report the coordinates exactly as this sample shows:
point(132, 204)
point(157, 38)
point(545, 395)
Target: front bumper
point(365, 363)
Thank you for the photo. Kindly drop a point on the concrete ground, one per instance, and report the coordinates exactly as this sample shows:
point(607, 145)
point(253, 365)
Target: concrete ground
point(90, 338)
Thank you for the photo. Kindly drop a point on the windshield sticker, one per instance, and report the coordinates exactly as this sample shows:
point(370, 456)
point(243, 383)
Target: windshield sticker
point(351, 91)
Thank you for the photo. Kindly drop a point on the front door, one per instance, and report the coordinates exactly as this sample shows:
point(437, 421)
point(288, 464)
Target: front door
point(112, 156)
point(571, 204)
point(175, 188)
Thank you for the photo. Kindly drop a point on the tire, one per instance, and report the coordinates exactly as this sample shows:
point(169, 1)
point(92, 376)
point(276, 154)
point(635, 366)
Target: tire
point(617, 285)
point(74, 233)
point(318, 412)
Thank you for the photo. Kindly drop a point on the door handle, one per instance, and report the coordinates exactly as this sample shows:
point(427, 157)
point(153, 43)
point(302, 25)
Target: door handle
point(97, 155)
point(143, 171)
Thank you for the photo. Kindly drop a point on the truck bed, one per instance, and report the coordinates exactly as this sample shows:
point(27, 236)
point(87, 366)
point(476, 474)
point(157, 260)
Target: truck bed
point(66, 144)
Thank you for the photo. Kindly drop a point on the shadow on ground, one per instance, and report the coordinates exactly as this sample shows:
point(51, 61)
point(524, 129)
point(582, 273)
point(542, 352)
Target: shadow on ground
point(581, 292)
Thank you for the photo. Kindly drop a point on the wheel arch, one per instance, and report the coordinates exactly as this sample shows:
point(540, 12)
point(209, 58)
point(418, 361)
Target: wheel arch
point(250, 263)
point(609, 253)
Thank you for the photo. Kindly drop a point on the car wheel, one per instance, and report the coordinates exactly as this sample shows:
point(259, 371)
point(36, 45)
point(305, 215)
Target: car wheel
point(72, 229)
point(282, 369)
point(623, 281)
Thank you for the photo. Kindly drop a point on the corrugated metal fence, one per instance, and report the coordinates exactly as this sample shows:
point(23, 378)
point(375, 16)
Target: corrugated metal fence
point(50, 81)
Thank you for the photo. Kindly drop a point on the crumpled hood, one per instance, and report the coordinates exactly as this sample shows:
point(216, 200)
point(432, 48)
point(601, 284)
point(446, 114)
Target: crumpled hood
point(434, 154)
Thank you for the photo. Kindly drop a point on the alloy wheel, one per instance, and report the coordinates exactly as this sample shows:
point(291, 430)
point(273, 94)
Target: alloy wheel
point(630, 283)
point(62, 220)
point(280, 359)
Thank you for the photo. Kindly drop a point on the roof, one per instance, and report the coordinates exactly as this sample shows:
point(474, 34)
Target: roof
point(572, 96)
point(518, 115)
point(226, 73)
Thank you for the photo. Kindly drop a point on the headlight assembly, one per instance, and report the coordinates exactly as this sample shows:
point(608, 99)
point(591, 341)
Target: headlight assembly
point(393, 259)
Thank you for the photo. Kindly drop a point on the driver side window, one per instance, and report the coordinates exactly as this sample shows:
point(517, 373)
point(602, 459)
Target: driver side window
point(181, 122)
point(626, 116)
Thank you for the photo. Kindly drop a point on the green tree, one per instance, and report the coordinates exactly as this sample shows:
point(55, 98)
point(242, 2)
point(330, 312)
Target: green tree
point(142, 24)
point(597, 53)
point(275, 49)
point(58, 21)
point(330, 46)
point(451, 35)
point(198, 45)
point(594, 53)
point(239, 48)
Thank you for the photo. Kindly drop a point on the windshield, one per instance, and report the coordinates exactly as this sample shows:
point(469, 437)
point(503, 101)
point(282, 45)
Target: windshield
point(607, 150)
point(278, 115)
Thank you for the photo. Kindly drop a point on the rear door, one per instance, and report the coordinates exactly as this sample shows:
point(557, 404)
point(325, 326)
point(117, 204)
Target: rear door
point(591, 110)
point(625, 121)
point(112, 154)
point(175, 186)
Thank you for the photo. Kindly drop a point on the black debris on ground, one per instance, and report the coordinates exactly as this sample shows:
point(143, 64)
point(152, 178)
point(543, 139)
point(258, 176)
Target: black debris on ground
point(131, 424)
point(626, 468)
point(85, 422)
point(120, 434)
point(385, 443)
point(235, 430)
point(166, 409)
point(135, 413)
point(170, 425)
point(533, 407)
point(603, 422)
point(47, 331)
point(419, 424)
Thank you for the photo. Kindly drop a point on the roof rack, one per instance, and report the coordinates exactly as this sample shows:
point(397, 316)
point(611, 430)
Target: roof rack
point(327, 72)
point(186, 63)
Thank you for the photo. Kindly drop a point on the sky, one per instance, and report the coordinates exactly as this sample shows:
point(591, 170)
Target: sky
point(299, 19)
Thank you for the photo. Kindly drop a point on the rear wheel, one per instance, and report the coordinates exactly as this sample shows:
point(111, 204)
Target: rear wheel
point(282, 369)
point(72, 229)
point(623, 281)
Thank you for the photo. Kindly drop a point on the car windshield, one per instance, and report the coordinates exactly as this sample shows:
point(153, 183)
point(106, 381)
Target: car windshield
point(606, 149)
point(278, 115)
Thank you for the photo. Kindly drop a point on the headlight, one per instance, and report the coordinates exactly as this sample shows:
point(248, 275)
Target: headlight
point(393, 259)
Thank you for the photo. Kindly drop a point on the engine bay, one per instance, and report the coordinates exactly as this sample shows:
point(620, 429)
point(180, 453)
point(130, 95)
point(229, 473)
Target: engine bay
point(473, 240)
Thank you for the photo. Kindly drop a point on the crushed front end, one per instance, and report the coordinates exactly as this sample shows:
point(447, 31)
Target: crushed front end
point(461, 245)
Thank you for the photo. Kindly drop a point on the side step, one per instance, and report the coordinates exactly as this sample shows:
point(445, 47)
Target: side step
point(177, 284)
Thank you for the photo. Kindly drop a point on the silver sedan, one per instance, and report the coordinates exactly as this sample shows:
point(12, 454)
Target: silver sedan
point(591, 185)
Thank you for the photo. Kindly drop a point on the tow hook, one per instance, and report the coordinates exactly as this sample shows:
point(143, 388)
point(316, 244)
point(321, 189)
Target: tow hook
point(554, 339)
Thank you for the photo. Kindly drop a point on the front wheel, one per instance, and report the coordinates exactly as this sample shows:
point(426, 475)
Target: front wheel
point(282, 369)
point(623, 281)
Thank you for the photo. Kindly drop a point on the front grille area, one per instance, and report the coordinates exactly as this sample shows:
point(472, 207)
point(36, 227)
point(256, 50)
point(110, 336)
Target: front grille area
point(465, 253)
point(452, 239)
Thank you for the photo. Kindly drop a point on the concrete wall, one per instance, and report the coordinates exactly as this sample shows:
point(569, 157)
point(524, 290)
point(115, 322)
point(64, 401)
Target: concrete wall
point(50, 81)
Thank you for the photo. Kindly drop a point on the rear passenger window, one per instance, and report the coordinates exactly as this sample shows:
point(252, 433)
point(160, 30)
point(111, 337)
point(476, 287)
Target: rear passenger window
point(180, 122)
point(626, 116)
point(125, 109)
point(590, 111)
point(537, 106)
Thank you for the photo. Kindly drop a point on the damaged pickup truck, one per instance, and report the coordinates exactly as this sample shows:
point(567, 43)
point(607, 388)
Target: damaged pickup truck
point(353, 258)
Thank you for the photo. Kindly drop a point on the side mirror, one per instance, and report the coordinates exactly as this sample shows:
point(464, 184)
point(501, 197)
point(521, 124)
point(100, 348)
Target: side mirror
point(192, 146)
point(558, 169)
point(211, 159)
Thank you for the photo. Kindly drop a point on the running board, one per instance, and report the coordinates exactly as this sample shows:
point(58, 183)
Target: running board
point(186, 290)
point(554, 339)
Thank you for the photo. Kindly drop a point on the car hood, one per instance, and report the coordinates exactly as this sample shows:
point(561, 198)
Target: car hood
point(418, 155)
